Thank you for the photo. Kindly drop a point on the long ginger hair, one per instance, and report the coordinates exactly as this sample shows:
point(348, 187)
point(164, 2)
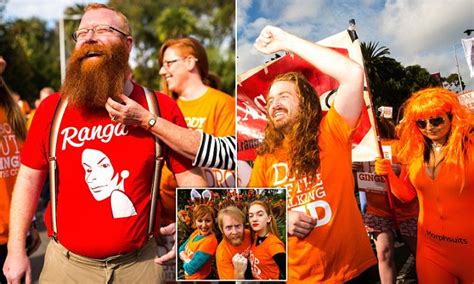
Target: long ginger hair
point(414, 146)
point(12, 111)
point(303, 136)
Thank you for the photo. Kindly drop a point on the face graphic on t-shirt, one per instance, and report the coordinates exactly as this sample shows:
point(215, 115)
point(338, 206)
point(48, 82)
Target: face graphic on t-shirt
point(99, 174)
point(104, 183)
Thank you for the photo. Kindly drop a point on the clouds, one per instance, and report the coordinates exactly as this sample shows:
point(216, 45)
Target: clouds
point(422, 32)
point(416, 26)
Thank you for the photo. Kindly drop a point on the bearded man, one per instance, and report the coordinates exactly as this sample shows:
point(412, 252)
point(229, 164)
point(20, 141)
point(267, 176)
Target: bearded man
point(88, 243)
point(310, 156)
point(233, 250)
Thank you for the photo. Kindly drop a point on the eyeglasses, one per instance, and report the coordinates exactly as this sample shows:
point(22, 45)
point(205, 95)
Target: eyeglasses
point(98, 30)
point(435, 122)
point(168, 63)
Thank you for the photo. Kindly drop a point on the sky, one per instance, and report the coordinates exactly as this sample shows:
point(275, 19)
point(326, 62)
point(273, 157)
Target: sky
point(423, 32)
point(50, 10)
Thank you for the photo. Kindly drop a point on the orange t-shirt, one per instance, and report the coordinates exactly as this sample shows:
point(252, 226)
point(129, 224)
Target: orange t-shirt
point(378, 203)
point(261, 258)
point(9, 164)
point(208, 245)
point(212, 113)
point(225, 252)
point(338, 248)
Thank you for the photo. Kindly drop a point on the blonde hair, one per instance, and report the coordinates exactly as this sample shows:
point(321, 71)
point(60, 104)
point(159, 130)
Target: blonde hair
point(231, 211)
point(414, 145)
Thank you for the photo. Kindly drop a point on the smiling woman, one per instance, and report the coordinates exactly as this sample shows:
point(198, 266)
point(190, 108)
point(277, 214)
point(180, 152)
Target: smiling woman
point(197, 252)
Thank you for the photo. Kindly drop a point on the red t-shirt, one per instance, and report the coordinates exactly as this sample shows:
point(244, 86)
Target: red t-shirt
point(104, 175)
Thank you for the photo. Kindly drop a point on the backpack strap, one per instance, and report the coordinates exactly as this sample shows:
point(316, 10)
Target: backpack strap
point(159, 162)
point(53, 167)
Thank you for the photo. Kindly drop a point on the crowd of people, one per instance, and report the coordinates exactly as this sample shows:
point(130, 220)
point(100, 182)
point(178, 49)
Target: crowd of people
point(76, 140)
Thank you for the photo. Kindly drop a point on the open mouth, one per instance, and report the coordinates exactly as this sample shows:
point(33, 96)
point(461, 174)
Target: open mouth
point(93, 54)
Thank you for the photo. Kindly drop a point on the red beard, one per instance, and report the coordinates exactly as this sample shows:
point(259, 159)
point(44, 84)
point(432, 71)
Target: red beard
point(95, 73)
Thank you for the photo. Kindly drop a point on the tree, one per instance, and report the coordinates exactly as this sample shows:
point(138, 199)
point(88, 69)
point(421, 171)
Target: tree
point(384, 75)
point(154, 21)
point(28, 48)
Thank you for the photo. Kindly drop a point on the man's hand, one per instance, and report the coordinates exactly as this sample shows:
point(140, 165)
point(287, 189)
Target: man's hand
point(127, 112)
point(300, 224)
point(169, 230)
point(17, 266)
point(240, 265)
point(271, 40)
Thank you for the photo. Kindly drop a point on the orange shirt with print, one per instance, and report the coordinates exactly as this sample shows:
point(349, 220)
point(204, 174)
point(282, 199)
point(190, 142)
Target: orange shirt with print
point(212, 113)
point(378, 203)
point(261, 257)
point(338, 248)
point(208, 245)
point(10, 154)
point(226, 251)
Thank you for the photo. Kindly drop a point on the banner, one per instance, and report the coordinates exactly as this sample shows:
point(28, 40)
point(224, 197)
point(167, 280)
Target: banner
point(254, 84)
point(467, 44)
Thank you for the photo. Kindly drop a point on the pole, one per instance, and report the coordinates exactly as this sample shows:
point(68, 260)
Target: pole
point(457, 66)
point(62, 48)
point(62, 42)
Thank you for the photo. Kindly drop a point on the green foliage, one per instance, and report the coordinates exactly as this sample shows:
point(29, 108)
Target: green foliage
point(31, 52)
point(390, 83)
point(211, 22)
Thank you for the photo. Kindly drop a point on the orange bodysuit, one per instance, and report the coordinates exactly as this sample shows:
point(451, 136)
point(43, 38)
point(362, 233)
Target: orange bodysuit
point(445, 227)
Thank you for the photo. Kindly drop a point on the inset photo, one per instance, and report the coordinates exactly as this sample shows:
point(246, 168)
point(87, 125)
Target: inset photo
point(231, 234)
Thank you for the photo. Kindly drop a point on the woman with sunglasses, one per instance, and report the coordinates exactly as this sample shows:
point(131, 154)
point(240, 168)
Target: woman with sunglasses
point(437, 151)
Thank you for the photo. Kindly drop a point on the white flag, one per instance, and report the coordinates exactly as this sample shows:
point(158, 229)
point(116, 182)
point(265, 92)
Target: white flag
point(467, 44)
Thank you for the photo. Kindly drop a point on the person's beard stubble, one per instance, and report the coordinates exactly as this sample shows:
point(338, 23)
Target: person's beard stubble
point(91, 81)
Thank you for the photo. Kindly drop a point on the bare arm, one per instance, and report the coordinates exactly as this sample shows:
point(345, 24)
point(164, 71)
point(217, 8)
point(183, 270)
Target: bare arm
point(182, 140)
point(191, 178)
point(349, 74)
point(204, 150)
point(24, 202)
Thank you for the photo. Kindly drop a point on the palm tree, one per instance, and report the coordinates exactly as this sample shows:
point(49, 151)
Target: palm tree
point(374, 61)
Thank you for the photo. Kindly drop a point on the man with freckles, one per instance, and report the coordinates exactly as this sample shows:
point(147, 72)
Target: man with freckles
point(233, 250)
point(92, 245)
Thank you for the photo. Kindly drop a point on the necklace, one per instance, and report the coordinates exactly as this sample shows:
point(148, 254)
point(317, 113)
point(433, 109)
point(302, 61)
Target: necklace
point(437, 147)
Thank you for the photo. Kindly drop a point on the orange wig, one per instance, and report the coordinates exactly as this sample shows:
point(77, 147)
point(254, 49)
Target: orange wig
point(427, 103)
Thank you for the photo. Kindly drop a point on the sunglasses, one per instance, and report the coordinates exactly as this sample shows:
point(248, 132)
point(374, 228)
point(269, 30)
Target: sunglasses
point(435, 122)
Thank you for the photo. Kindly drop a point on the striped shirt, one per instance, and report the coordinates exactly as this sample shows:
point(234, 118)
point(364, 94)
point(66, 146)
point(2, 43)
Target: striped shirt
point(216, 152)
